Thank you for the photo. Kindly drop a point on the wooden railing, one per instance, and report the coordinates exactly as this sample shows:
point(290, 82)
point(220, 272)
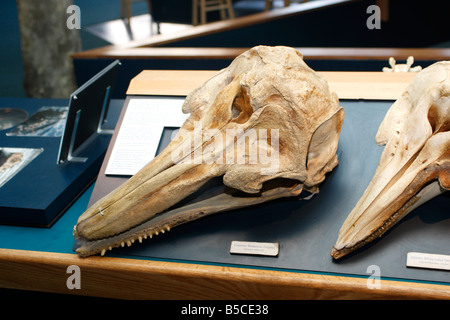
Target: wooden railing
point(162, 53)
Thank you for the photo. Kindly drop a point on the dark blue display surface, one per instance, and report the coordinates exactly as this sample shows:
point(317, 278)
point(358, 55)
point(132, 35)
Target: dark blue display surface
point(40, 192)
point(306, 230)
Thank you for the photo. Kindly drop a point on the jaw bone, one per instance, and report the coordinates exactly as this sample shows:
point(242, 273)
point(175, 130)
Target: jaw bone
point(415, 164)
point(273, 104)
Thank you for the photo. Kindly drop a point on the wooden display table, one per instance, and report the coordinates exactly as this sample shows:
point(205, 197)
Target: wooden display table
point(347, 85)
point(38, 259)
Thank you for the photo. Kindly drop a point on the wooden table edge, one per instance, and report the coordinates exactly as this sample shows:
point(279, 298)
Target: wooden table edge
point(125, 278)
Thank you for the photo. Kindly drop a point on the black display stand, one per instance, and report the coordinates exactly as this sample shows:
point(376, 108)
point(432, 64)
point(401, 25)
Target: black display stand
point(47, 162)
point(39, 193)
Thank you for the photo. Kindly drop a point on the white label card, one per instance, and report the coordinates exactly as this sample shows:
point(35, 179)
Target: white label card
point(255, 248)
point(140, 132)
point(428, 261)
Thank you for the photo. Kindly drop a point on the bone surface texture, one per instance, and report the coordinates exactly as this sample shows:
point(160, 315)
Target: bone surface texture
point(415, 164)
point(267, 126)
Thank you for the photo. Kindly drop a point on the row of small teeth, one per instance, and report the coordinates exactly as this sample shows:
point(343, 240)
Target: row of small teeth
point(139, 238)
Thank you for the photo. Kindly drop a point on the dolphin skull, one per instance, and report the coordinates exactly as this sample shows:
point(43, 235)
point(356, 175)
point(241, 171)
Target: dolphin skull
point(415, 164)
point(267, 124)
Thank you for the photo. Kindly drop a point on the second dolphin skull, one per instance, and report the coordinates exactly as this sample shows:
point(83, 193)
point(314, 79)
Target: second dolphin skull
point(415, 164)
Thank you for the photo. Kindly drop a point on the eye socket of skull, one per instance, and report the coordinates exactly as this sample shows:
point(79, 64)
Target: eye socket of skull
point(241, 109)
point(438, 117)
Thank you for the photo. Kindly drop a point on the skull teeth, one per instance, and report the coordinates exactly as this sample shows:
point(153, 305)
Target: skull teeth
point(128, 242)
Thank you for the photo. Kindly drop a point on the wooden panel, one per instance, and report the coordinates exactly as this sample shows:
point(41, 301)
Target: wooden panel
point(375, 54)
point(368, 85)
point(116, 52)
point(400, 54)
point(145, 279)
point(347, 85)
point(168, 82)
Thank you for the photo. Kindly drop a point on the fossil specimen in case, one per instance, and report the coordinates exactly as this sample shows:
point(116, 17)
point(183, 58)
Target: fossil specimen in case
point(270, 128)
point(415, 164)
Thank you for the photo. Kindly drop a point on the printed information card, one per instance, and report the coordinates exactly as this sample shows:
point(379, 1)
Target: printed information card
point(140, 132)
point(428, 261)
point(255, 248)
